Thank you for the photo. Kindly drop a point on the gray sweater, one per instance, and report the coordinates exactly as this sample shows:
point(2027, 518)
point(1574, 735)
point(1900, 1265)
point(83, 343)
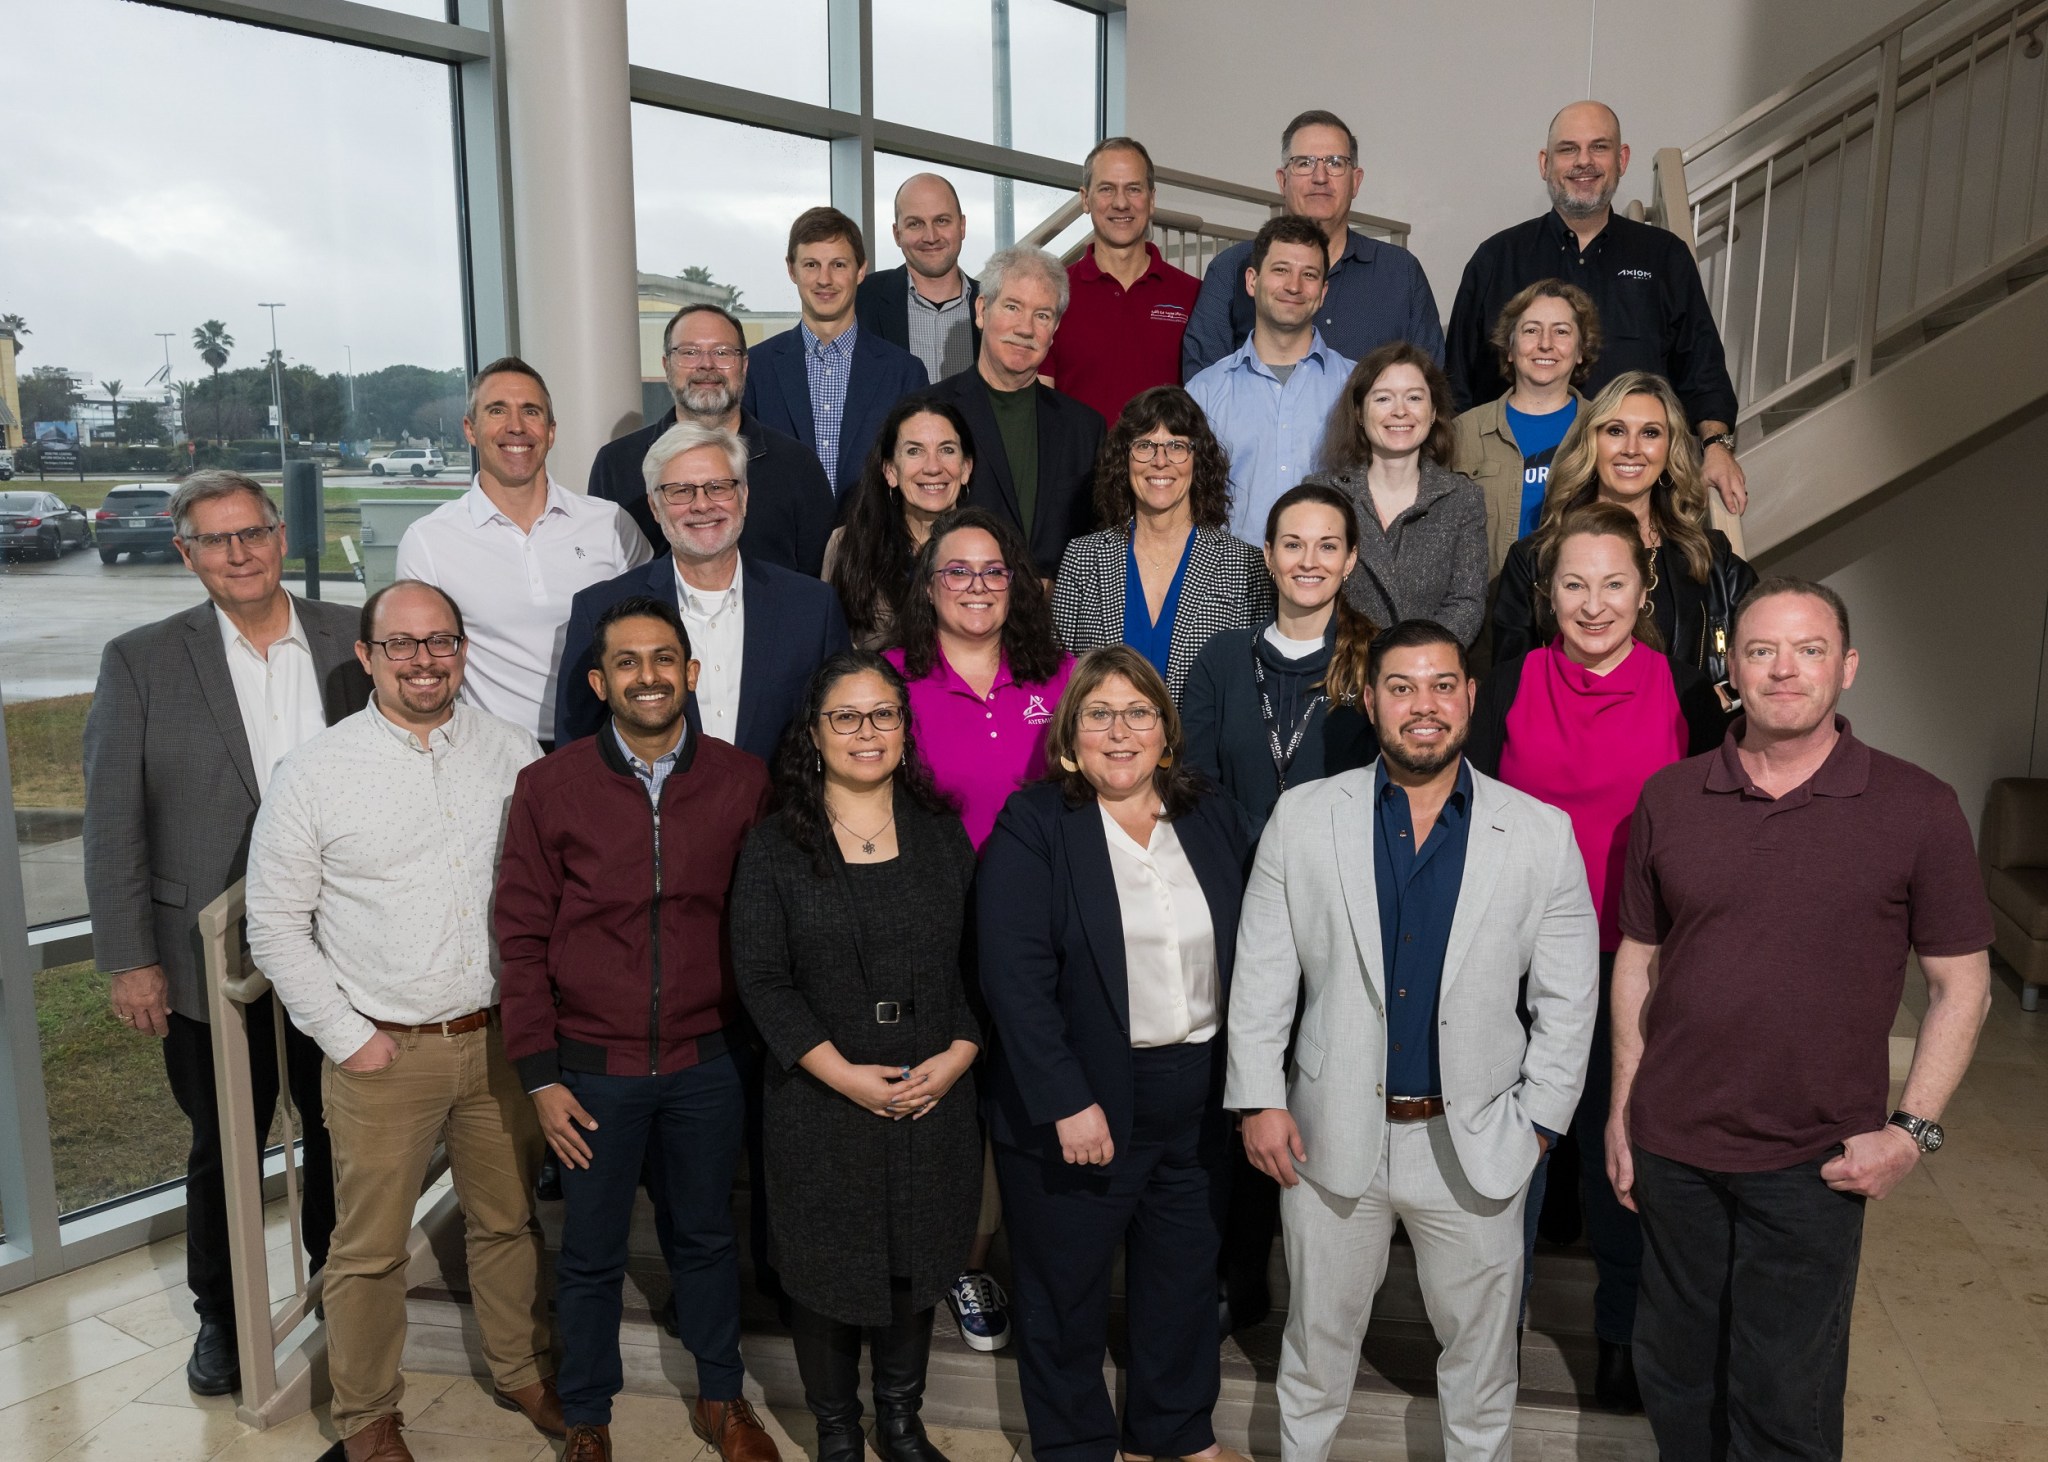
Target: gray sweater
point(1430, 563)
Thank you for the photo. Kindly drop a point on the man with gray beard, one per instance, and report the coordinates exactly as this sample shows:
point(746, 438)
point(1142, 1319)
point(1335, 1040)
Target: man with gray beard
point(790, 505)
point(1653, 309)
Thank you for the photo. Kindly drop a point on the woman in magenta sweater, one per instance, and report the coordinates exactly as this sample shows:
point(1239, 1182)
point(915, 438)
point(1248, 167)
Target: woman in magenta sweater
point(1581, 722)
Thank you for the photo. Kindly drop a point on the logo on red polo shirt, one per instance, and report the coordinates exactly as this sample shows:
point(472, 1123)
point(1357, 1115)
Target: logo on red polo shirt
point(1170, 314)
point(1035, 714)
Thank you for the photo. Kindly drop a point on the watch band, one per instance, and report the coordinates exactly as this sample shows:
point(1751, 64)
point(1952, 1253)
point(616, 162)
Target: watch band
point(1719, 439)
point(1924, 1131)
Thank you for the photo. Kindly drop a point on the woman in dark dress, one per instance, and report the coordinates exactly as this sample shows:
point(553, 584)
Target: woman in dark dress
point(848, 909)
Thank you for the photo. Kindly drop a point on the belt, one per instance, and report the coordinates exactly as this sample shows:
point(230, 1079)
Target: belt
point(461, 1025)
point(891, 1012)
point(1414, 1109)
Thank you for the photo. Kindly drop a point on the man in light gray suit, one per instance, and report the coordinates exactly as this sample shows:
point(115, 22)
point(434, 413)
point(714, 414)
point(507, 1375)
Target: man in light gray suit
point(1401, 906)
point(189, 716)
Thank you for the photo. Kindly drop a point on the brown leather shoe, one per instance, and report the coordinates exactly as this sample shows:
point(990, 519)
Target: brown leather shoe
point(378, 1442)
point(588, 1443)
point(539, 1404)
point(733, 1429)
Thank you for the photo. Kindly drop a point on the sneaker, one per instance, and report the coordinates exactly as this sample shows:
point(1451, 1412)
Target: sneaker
point(982, 1309)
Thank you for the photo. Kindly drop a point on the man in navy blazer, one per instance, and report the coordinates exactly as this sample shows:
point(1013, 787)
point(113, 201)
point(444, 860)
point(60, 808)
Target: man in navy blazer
point(758, 631)
point(1048, 490)
point(828, 383)
point(926, 303)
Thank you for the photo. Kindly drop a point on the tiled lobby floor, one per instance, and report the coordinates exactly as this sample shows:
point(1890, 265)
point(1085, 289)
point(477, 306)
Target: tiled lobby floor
point(1949, 1359)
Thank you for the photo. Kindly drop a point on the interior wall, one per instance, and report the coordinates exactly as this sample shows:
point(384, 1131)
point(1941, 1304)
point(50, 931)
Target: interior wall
point(1451, 101)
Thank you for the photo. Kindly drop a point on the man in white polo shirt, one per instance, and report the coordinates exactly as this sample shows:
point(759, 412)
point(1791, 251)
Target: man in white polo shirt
point(515, 549)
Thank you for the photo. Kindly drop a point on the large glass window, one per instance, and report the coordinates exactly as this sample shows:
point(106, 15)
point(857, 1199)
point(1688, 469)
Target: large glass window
point(941, 67)
point(773, 46)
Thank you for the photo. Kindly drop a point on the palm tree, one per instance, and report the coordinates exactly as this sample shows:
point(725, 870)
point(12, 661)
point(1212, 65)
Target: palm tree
point(14, 327)
point(213, 343)
point(113, 388)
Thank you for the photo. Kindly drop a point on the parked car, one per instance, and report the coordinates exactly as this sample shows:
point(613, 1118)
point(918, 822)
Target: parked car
point(41, 525)
point(134, 519)
point(6, 465)
point(419, 461)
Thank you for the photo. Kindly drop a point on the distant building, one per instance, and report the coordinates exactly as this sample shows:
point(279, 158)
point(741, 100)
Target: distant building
point(10, 395)
point(94, 411)
point(661, 295)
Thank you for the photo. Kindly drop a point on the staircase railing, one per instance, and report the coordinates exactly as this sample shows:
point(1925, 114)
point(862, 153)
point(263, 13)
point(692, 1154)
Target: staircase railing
point(1874, 203)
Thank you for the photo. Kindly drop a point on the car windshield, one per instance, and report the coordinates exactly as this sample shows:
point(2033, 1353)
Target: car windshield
point(19, 502)
point(135, 502)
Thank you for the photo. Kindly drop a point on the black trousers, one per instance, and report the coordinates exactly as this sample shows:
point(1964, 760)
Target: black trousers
point(1742, 1326)
point(188, 1066)
point(1163, 1203)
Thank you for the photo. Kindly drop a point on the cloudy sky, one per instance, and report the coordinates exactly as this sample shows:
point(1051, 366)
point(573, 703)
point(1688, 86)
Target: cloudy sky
point(180, 169)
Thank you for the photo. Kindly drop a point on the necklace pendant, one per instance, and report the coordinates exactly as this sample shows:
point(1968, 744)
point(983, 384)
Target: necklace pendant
point(867, 847)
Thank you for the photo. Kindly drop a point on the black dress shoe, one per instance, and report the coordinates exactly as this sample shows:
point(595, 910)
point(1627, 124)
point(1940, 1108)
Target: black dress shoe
point(216, 1366)
point(1614, 1385)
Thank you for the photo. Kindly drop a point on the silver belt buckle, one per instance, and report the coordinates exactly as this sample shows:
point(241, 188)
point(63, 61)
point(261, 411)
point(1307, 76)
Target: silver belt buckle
point(888, 1012)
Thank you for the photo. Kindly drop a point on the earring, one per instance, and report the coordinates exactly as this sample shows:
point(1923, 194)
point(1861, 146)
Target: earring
point(1166, 759)
point(1068, 764)
point(819, 757)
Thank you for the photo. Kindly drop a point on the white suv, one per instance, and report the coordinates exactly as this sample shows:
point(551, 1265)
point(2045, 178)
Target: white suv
point(419, 461)
point(6, 465)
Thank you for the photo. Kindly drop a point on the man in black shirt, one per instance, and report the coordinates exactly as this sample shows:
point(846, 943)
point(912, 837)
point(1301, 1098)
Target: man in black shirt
point(1653, 309)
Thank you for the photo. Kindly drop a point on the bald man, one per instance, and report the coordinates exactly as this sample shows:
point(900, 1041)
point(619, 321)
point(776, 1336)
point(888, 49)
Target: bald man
point(926, 303)
point(1653, 309)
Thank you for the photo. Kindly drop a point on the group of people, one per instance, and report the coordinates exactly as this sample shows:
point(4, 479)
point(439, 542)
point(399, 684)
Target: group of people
point(1124, 762)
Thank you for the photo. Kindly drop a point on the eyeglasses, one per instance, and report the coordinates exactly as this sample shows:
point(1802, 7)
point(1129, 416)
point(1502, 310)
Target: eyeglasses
point(1177, 451)
point(1139, 718)
point(846, 721)
point(960, 578)
point(1302, 164)
point(405, 647)
point(717, 490)
point(721, 356)
point(249, 538)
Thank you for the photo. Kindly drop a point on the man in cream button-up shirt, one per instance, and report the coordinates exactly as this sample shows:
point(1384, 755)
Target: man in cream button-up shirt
point(371, 869)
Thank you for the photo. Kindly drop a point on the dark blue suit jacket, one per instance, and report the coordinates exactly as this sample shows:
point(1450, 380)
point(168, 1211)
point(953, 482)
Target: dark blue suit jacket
point(779, 393)
point(793, 625)
point(1052, 959)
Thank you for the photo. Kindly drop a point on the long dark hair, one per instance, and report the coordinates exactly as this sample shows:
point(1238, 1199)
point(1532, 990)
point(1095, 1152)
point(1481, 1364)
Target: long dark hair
point(1344, 681)
point(1174, 409)
point(799, 766)
point(1346, 447)
point(871, 571)
point(1179, 786)
point(1028, 641)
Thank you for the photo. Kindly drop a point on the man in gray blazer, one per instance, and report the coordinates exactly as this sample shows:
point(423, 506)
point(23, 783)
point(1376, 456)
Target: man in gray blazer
point(189, 716)
point(1401, 906)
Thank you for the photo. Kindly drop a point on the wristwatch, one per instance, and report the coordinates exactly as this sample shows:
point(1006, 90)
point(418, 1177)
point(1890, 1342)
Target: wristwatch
point(1928, 1134)
point(1719, 439)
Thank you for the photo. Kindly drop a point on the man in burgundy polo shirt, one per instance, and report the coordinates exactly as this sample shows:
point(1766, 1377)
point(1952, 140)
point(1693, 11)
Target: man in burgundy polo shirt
point(1129, 307)
point(1774, 890)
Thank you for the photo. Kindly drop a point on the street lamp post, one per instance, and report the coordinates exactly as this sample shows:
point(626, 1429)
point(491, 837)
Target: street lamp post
point(276, 386)
point(165, 336)
point(351, 432)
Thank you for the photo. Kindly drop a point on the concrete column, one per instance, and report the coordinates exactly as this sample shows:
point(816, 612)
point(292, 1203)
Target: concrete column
point(568, 116)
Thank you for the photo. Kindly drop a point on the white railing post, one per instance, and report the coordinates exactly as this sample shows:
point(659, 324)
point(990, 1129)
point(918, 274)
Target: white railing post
point(1877, 208)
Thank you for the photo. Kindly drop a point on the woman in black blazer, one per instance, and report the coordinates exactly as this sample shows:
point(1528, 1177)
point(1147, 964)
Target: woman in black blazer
point(848, 908)
point(1107, 907)
point(1166, 574)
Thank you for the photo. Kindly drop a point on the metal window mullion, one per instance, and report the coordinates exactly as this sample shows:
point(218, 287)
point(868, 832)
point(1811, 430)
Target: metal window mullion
point(28, 1177)
point(850, 67)
point(351, 22)
point(483, 172)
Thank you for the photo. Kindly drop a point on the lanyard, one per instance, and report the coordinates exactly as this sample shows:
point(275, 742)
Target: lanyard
point(1282, 759)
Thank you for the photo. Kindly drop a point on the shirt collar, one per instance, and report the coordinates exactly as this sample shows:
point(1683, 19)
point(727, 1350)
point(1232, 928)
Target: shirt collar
point(673, 758)
point(482, 510)
point(1087, 270)
point(1560, 233)
point(708, 602)
point(294, 632)
point(840, 345)
point(955, 682)
point(448, 733)
point(1246, 356)
point(1384, 787)
point(1844, 774)
point(1358, 249)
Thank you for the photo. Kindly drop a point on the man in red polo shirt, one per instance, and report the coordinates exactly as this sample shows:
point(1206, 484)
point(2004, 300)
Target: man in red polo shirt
point(1121, 333)
point(1774, 889)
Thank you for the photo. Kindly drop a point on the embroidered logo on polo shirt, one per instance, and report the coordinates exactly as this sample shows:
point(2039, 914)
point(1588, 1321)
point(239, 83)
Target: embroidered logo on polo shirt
point(1170, 314)
point(1633, 274)
point(1035, 714)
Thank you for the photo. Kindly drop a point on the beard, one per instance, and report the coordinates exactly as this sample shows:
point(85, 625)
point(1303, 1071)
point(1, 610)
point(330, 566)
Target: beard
point(1424, 763)
point(1562, 200)
point(701, 399)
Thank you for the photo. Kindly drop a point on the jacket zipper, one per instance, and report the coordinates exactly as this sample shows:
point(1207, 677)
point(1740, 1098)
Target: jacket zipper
point(654, 925)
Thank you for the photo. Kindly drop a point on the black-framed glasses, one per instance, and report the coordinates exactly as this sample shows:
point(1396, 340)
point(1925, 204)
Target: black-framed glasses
point(846, 720)
point(1176, 451)
point(406, 647)
point(960, 578)
point(717, 490)
point(723, 356)
point(1139, 718)
point(250, 538)
point(1301, 164)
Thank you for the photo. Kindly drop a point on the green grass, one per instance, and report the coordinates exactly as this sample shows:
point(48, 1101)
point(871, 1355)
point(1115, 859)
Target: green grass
point(43, 742)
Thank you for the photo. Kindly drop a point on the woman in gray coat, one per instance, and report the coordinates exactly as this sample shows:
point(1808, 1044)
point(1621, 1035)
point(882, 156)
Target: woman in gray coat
point(1421, 527)
point(848, 910)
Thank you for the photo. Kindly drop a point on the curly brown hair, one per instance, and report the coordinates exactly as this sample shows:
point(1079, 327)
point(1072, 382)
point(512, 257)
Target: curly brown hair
point(1116, 503)
point(1585, 314)
point(1345, 447)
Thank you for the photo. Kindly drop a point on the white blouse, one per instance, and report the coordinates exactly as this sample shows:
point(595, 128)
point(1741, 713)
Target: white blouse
point(1169, 942)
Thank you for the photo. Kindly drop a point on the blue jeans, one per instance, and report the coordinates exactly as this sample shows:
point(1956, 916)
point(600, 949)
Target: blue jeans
point(692, 1119)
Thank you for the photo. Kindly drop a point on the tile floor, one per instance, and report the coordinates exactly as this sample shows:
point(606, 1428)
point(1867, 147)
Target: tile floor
point(1949, 1360)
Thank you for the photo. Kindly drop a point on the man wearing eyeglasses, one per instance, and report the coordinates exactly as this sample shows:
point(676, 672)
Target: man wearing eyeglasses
point(1377, 292)
point(704, 359)
point(517, 547)
point(188, 719)
point(371, 872)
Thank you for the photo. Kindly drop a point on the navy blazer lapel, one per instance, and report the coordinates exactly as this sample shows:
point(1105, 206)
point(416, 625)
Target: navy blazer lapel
point(210, 660)
point(863, 389)
point(1222, 880)
point(1094, 885)
point(795, 380)
point(758, 635)
point(661, 581)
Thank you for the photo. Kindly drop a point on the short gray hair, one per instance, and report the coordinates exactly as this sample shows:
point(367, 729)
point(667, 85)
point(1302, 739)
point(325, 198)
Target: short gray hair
point(1023, 259)
point(684, 436)
point(215, 482)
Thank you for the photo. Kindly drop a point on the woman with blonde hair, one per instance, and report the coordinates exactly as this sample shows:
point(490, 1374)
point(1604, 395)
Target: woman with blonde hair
point(1632, 446)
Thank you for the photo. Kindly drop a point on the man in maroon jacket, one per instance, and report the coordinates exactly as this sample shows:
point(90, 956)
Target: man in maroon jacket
point(620, 1013)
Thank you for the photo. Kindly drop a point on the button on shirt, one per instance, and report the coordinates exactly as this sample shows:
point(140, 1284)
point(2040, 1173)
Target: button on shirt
point(982, 748)
point(828, 366)
point(1272, 430)
point(515, 588)
point(1418, 898)
point(1169, 940)
point(942, 336)
point(716, 620)
point(1114, 342)
point(371, 871)
point(278, 694)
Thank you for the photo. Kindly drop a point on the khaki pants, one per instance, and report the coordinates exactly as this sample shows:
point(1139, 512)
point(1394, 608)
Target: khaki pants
point(462, 1091)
